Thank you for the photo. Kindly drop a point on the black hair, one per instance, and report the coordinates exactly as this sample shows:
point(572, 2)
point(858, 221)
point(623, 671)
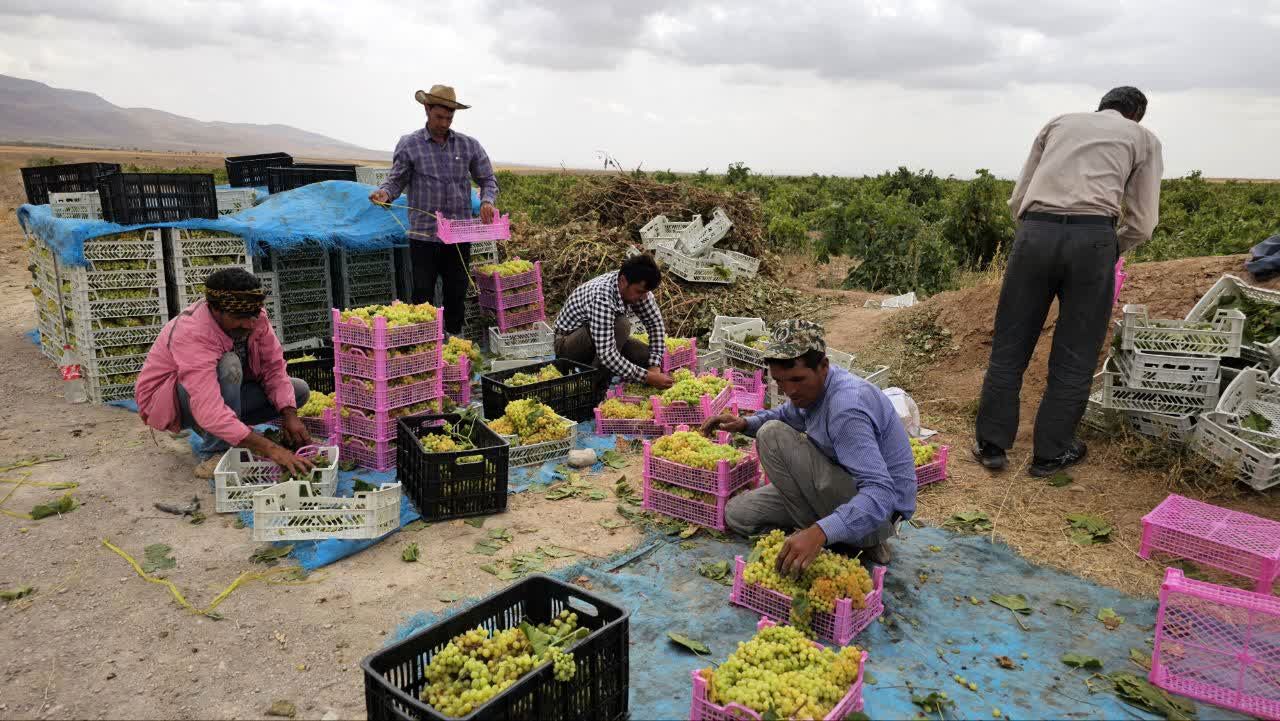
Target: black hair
point(232, 279)
point(1128, 101)
point(642, 268)
point(812, 359)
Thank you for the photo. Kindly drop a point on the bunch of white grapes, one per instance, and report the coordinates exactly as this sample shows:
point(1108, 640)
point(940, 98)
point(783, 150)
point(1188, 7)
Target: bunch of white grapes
point(690, 389)
point(458, 347)
point(694, 450)
point(617, 409)
point(922, 452)
point(317, 403)
point(779, 672)
point(515, 266)
point(532, 421)
point(397, 314)
point(830, 577)
point(545, 373)
point(672, 344)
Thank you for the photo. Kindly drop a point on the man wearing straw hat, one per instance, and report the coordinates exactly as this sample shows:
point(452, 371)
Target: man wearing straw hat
point(438, 165)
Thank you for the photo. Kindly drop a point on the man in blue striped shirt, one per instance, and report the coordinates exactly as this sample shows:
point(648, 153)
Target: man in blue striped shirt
point(840, 467)
point(438, 164)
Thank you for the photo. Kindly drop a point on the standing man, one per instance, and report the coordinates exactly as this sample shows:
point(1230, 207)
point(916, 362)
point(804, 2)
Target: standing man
point(438, 165)
point(1082, 167)
point(593, 328)
point(840, 467)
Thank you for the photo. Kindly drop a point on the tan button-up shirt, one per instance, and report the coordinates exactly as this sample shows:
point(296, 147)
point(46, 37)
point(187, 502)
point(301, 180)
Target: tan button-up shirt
point(1087, 164)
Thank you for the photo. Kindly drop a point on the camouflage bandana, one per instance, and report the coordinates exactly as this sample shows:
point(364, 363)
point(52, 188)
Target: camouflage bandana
point(239, 302)
point(793, 338)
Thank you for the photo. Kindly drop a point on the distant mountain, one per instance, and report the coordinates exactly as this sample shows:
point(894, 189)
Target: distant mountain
point(32, 112)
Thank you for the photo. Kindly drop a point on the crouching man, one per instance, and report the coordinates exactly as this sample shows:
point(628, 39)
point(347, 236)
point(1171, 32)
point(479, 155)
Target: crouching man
point(217, 369)
point(838, 460)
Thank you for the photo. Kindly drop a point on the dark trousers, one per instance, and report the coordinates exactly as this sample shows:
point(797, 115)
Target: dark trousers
point(450, 263)
point(1076, 265)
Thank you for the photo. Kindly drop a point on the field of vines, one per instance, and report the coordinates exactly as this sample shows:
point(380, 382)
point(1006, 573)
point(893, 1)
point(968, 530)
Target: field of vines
point(917, 231)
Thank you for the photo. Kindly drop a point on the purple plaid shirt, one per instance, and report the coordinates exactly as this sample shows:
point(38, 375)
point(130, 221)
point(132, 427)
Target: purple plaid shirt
point(439, 178)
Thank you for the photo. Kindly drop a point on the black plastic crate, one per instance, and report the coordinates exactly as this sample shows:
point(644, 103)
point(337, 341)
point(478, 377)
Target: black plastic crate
point(250, 171)
point(299, 174)
point(574, 396)
point(438, 485)
point(317, 373)
point(394, 676)
point(72, 178)
point(136, 198)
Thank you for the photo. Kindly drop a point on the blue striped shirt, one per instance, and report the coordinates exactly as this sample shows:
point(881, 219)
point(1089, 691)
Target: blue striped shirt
point(855, 425)
point(439, 177)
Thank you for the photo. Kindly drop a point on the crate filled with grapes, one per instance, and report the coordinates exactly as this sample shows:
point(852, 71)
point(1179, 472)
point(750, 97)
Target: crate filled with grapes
point(451, 465)
point(833, 600)
point(388, 326)
point(379, 426)
point(776, 674)
point(318, 415)
point(535, 432)
point(931, 462)
point(626, 416)
point(375, 455)
point(568, 387)
point(692, 399)
point(677, 352)
point(292, 511)
point(388, 364)
point(313, 365)
point(688, 477)
point(384, 396)
point(239, 474)
point(538, 649)
point(512, 292)
point(460, 356)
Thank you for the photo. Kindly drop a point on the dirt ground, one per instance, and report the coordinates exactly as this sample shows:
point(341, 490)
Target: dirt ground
point(97, 641)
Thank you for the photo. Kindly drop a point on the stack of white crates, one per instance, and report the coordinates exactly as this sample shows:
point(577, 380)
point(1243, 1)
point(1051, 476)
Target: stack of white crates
point(367, 277)
point(687, 249)
point(370, 175)
point(194, 255)
point(114, 307)
point(306, 295)
point(44, 287)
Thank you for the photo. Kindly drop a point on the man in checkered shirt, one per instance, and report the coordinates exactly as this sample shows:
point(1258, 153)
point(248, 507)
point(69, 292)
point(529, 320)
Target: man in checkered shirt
point(593, 326)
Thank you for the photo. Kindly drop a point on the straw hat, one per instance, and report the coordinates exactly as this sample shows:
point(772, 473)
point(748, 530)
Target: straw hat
point(440, 95)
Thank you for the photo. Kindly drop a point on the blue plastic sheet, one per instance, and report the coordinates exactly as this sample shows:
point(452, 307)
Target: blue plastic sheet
point(33, 335)
point(927, 639)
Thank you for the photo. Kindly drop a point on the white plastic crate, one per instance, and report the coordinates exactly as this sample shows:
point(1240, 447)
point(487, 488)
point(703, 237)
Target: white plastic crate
point(697, 244)
point(239, 474)
point(742, 265)
point(1254, 458)
point(371, 175)
point(735, 346)
point(1159, 380)
point(306, 325)
point(1176, 430)
point(878, 376)
point(1230, 286)
point(720, 327)
point(81, 206)
point(485, 251)
point(196, 248)
point(1251, 391)
point(1117, 395)
point(713, 269)
point(292, 511)
point(662, 233)
point(538, 453)
point(1218, 336)
point(233, 200)
point(710, 360)
point(1164, 371)
point(534, 343)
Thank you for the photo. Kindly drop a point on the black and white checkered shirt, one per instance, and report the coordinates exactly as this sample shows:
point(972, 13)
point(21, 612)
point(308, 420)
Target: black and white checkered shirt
point(597, 304)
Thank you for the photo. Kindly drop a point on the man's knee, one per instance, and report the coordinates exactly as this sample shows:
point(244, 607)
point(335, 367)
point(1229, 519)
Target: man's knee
point(230, 369)
point(301, 392)
point(774, 434)
point(737, 517)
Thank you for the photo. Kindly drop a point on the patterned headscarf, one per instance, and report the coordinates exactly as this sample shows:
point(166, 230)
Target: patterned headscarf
point(240, 302)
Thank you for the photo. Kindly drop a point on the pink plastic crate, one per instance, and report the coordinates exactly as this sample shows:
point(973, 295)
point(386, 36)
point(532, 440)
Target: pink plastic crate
point(374, 455)
point(498, 285)
point(722, 481)
point(472, 230)
point(378, 365)
point(1234, 542)
point(683, 358)
point(626, 426)
point(1120, 276)
point(320, 427)
point(749, 388)
point(509, 321)
point(685, 509)
point(504, 300)
point(379, 336)
point(619, 393)
point(1218, 645)
point(701, 709)
point(370, 425)
point(935, 470)
point(458, 374)
point(682, 413)
point(383, 397)
point(839, 628)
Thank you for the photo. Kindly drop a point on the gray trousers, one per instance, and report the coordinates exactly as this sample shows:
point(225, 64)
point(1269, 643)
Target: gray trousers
point(579, 346)
point(1076, 265)
point(804, 487)
point(248, 400)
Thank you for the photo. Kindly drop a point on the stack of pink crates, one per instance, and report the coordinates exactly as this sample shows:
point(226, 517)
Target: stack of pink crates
point(371, 367)
point(508, 297)
point(322, 427)
point(721, 484)
point(749, 388)
point(457, 381)
point(673, 360)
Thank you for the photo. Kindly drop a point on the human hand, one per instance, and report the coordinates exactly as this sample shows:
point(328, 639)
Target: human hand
point(380, 196)
point(295, 464)
point(295, 433)
point(656, 378)
point(726, 422)
point(486, 212)
point(799, 550)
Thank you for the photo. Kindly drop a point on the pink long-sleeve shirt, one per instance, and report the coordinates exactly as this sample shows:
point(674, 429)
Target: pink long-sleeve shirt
point(187, 352)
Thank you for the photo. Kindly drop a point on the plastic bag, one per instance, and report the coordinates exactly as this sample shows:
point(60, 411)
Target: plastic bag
point(908, 413)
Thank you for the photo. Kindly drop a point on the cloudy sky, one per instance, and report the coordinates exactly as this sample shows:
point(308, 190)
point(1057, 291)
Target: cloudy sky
point(827, 86)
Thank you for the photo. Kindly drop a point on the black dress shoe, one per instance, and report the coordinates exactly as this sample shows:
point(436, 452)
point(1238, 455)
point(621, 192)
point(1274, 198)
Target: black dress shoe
point(990, 455)
point(1045, 467)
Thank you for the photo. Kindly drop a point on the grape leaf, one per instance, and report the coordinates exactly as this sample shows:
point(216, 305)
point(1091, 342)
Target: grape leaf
point(756, 553)
point(719, 571)
point(65, 504)
point(539, 640)
point(624, 492)
point(486, 548)
point(410, 553)
point(613, 459)
point(1014, 602)
point(1088, 529)
point(1255, 421)
point(597, 495)
point(1141, 658)
point(476, 522)
point(363, 485)
point(1060, 479)
point(15, 594)
point(690, 531)
point(1076, 660)
point(558, 493)
point(1074, 606)
point(500, 534)
point(555, 552)
point(612, 523)
point(1140, 693)
point(413, 526)
point(158, 558)
point(973, 521)
point(448, 598)
point(697, 647)
point(270, 555)
point(687, 545)
point(1110, 618)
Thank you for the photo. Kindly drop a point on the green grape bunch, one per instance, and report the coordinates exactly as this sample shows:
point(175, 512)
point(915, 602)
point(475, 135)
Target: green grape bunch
point(694, 450)
point(533, 422)
point(672, 344)
point(317, 403)
point(545, 373)
point(458, 347)
point(397, 314)
point(688, 388)
point(923, 453)
point(830, 577)
point(506, 269)
point(617, 409)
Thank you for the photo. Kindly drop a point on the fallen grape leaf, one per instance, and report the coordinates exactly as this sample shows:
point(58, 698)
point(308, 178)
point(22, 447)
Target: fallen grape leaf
point(1140, 693)
point(1076, 660)
point(362, 485)
point(1014, 602)
point(239, 523)
point(158, 558)
point(346, 465)
point(687, 545)
point(697, 647)
point(555, 552)
point(270, 555)
point(414, 526)
point(501, 534)
point(410, 553)
point(476, 522)
point(1060, 479)
point(690, 531)
point(933, 703)
point(1255, 421)
point(597, 495)
point(624, 492)
point(1110, 618)
point(973, 521)
point(612, 523)
point(1141, 658)
point(15, 594)
point(560, 492)
point(868, 677)
point(65, 504)
point(448, 598)
point(718, 571)
point(197, 518)
point(1074, 606)
point(502, 572)
point(1005, 662)
point(1088, 529)
point(613, 459)
point(486, 548)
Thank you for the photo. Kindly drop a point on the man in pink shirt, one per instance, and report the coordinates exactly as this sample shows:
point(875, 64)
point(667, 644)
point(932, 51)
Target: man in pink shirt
point(218, 369)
